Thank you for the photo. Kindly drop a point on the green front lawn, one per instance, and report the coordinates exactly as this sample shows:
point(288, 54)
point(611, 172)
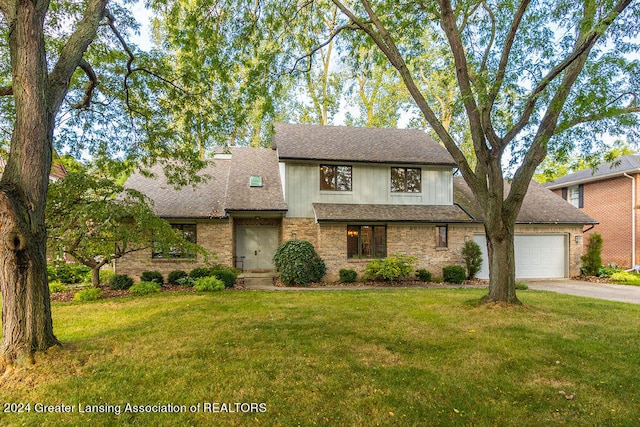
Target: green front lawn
point(383, 357)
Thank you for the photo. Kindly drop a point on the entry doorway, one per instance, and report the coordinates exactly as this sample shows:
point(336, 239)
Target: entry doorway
point(256, 245)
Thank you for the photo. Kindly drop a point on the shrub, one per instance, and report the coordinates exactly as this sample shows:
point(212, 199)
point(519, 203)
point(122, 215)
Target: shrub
point(196, 273)
point(228, 275)
point(186, 281)
point(392, 268)
point(72, 273)
point(89, 294)
point(120, 282)
point(348, 276)
point(51, 273)
point(57, 286)
point(298, 263)
point(624, 276)
point(472, 255)
point(144, 288)
point(106, 275)
point(454, 274)
point(521, 286)
point(592, 259)
point(176, 275)
point(607, 271)
point(207, 284)
point(423, 275)
point(152, 276)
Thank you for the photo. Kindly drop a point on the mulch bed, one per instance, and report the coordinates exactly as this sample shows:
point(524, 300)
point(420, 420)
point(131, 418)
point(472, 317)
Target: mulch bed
point(107, 292)
point(381, 284)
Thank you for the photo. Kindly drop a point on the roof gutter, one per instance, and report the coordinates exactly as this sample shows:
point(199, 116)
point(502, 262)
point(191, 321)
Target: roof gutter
point(633, 220)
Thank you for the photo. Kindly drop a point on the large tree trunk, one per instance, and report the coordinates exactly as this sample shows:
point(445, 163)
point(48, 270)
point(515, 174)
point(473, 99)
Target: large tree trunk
point(502, 270)
point(26, 314)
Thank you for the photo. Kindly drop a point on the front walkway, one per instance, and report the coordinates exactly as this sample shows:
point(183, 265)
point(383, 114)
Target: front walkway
point(606, 291)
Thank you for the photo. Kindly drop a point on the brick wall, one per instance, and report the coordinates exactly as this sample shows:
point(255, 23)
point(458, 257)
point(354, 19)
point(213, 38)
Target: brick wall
point(609, 202)
point(214, 236)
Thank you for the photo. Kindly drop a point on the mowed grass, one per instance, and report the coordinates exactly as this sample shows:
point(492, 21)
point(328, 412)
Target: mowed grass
point(383, 357)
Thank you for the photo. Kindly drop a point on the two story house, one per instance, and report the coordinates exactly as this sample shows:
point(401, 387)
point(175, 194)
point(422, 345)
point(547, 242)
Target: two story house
point(608, 193)
point(355, 194)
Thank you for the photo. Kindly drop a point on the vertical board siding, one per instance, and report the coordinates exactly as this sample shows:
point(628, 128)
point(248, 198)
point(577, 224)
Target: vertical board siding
point(370, 185)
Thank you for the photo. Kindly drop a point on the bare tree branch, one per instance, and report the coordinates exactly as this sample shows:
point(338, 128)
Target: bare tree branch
point(6, 91)
point(309, 55)
point(73, 50)
point(89, 87)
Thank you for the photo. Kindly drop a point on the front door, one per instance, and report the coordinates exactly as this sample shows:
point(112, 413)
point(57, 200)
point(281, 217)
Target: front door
point(256, 245)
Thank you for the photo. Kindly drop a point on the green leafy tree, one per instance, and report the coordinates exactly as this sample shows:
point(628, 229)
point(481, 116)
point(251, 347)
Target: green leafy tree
point(592, 259)
point(96, 221)
point(531, 77)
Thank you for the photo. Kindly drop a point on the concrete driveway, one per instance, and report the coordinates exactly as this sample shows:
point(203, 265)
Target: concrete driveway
point(622, 293)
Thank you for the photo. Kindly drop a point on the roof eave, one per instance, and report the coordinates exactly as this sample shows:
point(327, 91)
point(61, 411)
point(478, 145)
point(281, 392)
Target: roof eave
point(592, 179)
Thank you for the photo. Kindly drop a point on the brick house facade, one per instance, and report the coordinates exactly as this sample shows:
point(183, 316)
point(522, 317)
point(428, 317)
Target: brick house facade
point(610, 195)
point(354, 193)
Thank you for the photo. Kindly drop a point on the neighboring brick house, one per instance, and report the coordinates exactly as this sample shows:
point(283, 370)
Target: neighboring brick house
point(609, 194)
point(355, 194)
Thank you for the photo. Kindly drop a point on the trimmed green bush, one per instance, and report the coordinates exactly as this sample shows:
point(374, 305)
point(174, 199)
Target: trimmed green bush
point(200, 272)
point(472, 254)
point(521, 286)
point(228, 275)
point(348, 276)
point(72, 273)
point(120, 282)
point(208, 284)
point(392, 268)
point(89, 294)
point(176, 275)
point(454, 274)
point(298, 263)
point(607, 271)
point(424, 275)
point(592, 259)
point(57, 286)
point(144, 288)
point(152, 276)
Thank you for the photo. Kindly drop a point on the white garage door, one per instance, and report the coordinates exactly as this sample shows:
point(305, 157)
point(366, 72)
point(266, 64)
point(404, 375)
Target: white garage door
point(539, 256)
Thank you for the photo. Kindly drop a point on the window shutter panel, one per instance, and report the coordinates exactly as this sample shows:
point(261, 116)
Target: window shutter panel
point(564, 193)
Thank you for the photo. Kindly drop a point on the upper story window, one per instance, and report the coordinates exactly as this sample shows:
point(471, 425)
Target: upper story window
point(406, 180)
point(574, 195)
point(335, 178)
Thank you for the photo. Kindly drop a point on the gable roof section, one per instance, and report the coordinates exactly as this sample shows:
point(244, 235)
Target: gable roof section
point(247, 162)
point(227, 187)
point(623, 164)
point(540, 205)
point(353, 144)
point(419, 213)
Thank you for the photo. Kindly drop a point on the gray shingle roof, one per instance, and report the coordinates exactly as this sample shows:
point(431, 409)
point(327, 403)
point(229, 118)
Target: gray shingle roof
point(226, 189)
point(353, 144)
point(623, 164)
point(350, 212)
point(540, 206)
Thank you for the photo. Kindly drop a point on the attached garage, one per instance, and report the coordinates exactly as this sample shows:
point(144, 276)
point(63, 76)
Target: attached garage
point(538, 256)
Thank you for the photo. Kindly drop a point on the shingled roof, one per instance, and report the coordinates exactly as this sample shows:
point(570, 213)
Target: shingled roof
point(226, 189)
point(353, 144)
point(540, 205)
point(421, 213)
point(621, 165)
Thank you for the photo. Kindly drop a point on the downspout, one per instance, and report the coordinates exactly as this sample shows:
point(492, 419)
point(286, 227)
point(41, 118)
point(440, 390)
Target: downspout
point(633, 220)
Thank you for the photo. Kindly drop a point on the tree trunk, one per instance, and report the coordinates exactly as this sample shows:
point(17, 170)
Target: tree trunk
point(502, 267)
point(26, 313)
point(95, 275)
